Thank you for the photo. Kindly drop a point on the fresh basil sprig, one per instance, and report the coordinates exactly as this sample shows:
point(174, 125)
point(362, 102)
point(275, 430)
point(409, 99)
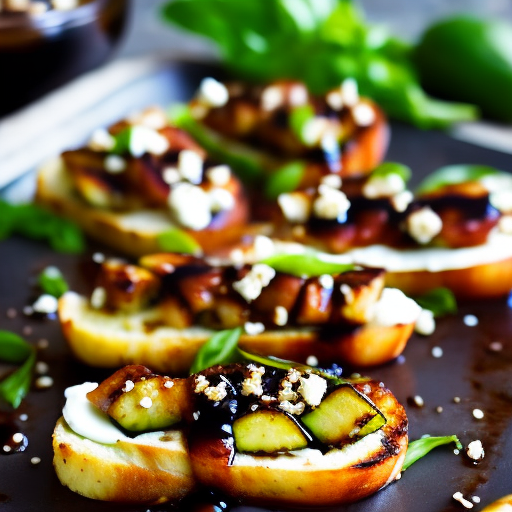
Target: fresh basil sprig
point(14, 349)
point(305, 265)
point(177, 240)
point(441, 301)
point(419, 448)
point(33, 222)
point(285, 179)
point(52, 282)
point(299, 118)
point(221, 348)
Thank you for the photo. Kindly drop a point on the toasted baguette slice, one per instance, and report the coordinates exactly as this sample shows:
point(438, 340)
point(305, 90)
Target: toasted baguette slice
point(502, 505)
point(151, 468)
point(134, 232)
point(111, 340)
point(308, 477)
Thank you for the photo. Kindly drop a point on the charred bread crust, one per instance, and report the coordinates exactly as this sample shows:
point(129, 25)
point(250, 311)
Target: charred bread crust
point(152, 468)
point(262, 479)
point(135, 232)
point(111, 340)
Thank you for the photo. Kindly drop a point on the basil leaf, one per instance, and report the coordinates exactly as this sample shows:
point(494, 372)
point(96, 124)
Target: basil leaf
point(52, 282)
point(387, 168)
point(221, 348)
point(441, 301)
point(305, 265)
point(299, 117)
point(246, 167)
point(177, 240)
point(13, 348)
point(285, 179)
point(33, 222)
point(454, 174)
point(419, 448)
point(14, 387)
point(123, 141)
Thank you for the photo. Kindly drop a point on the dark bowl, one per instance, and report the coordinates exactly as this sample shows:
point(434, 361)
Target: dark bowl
point(43, 51)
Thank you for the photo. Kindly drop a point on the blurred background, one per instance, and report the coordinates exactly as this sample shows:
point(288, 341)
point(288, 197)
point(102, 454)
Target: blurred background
point(406, 18)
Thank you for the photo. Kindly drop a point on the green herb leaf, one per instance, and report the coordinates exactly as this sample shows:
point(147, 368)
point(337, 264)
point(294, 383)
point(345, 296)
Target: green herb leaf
point(441, 301)
point(15, 386)
point(299, 117)
point(33, 222)
point(123, 141)
point(177, 240)
point(305, 265)
point(221, 348)
point(52, 282)
point(13, 348)
point(246, 166)
point(285, 179)
point(387, 168)
point(454, 174)
point(419, 448)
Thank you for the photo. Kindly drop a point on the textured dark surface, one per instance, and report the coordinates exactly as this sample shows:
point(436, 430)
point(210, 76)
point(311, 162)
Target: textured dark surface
point(467, 369)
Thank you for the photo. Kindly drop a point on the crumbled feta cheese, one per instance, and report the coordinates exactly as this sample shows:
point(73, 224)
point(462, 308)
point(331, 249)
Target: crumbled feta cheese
point(437, 352)
point(505, 224)
point(168, 384)
point(383, 186)
point(392, 308)
point(153, 117)
point(402, 200)
point(114, 164)
point(128, 386)
point(98, 297)
point(314, 130)
point(190, 166)
point(475, 450)
point(221, 200)
point(46, 304)
point(219, 175)
point(331, 203)
point(251, 285)
point(171, 175)
point(298, 95)
point(146, 140)
point(286, 393)
point(464, 502)
point(201, 383)
point(271, 98)
point(280, 316)
point(326, 281)
point(190, 206)
point(216, 393)
point(312, 389)
point(478, 414)
point(312, 361)
point(290, 408)
point(335, 100)
point(253, 328)
point(101, 140)
point(213, 93)
point(331, 180)
point(349, 92)
point(296, 206)
point(146, 402)
point(426, 323)
point(470, 320)
point(501, 200)
point(253, 385)
point(363, 114)
point(263, 247)
point(424, 224)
